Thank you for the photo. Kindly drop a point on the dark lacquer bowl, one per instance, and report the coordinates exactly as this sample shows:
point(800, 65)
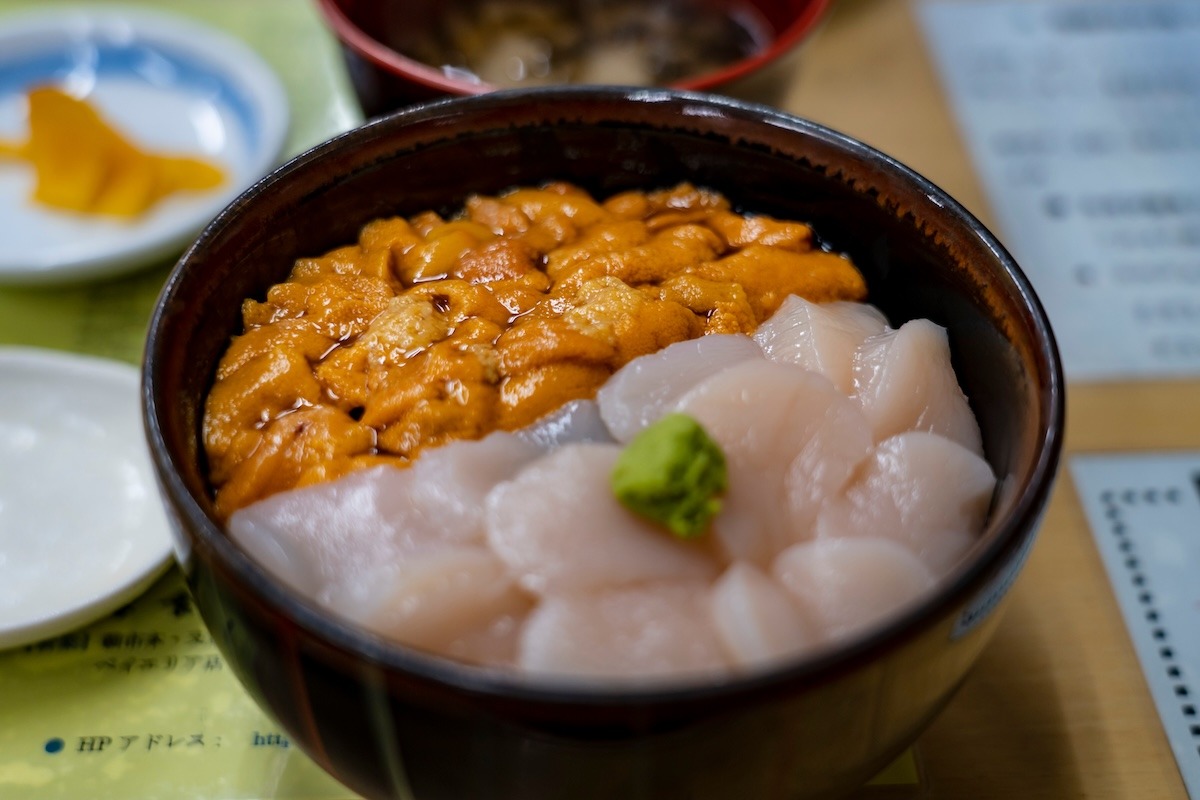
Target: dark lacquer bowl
point(385, 719)
point(385, 78)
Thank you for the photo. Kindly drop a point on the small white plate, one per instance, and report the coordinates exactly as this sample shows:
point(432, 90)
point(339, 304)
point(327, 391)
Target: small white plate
point(170, 85)
point(82, 526)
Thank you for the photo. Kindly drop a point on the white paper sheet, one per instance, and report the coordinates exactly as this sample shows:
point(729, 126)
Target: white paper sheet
point(1083, 121)
point(1144, 511)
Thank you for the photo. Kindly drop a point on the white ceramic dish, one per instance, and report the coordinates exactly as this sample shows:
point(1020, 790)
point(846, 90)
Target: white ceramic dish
point(167, 83)
point(82, 529)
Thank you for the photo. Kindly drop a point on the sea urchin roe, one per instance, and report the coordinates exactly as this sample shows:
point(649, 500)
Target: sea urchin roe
point(429, 330)
point(83, 164)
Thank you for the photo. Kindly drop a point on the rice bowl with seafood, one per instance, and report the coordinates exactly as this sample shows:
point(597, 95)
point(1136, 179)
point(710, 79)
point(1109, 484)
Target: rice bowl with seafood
point(390, 719)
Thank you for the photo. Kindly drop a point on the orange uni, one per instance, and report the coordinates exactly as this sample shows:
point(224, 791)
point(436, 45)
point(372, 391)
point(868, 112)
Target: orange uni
point(430, 330)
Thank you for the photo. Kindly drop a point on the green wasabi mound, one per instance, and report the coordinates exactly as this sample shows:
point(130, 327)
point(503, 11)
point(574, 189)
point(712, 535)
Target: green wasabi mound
point(672, 473)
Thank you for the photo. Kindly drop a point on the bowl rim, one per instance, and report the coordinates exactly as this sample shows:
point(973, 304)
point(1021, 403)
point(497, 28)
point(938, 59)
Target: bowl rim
point(984, 576)
point(399, 65)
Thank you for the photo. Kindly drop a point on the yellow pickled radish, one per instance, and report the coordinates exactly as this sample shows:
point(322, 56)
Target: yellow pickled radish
point(83, 164)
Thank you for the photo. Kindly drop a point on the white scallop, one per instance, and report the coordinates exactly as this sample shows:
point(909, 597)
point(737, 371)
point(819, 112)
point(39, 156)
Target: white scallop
point(755, 619)
point(576, 421)
point(921, 490)
point(648, 386)
point(431, 599)
point(451, 482)
point(848, 585)
point(905, 381)
point(790, 439)
point(559, 528)
point(324, 533)
point(323, 538)
point(821, 337)
point(631, 634)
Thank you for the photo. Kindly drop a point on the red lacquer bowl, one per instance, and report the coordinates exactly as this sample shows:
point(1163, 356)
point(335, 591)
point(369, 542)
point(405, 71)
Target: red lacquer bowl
point(385, 79)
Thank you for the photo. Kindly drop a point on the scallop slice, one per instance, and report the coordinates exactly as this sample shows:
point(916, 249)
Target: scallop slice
point(630, 634)
point(559, 529)
point(576, 421)
point(848, 585)
point(327, 532)
point(431, 599)
point(450, 483)
point(840, 442)
point(648, 386)
point(319, 538)
point(921, 490)
point(494, 645)
point(904, 380)
point(790, 439)
point(821, 337)
point(756, 621)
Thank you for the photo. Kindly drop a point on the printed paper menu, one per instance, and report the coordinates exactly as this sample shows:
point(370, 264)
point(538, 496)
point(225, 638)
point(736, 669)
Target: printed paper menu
point(141, 705)
point(1144, 512)
point(1083, 121)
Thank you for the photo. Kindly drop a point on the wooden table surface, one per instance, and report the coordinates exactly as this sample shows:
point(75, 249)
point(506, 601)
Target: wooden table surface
point(1057, 707)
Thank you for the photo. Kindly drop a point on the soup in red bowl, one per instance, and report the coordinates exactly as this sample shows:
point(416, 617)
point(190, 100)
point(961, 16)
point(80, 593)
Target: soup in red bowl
point(398, 53)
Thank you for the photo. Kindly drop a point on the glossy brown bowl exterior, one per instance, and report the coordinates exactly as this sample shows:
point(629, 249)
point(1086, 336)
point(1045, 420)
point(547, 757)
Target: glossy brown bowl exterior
point(384, 719)
point(385, 79)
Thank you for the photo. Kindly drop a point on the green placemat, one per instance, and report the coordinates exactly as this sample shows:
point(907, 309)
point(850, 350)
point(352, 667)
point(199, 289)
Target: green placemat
point(141, 704)
point(108, 318)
